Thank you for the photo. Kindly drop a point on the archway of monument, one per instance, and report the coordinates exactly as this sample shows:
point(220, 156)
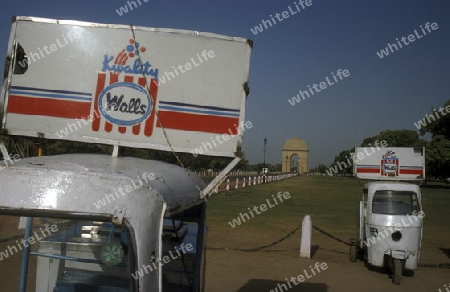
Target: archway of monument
point(295, 156)
point(294, 166)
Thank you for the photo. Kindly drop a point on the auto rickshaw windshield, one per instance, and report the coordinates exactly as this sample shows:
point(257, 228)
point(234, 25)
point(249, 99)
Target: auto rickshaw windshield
point(395, 202)
point(66, 255)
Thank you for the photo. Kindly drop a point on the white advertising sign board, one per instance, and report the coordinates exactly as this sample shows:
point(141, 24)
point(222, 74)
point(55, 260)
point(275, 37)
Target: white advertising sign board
point(125, 85)
point(390, 163)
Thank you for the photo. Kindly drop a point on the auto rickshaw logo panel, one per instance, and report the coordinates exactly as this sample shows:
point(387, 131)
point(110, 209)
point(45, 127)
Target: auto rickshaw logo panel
point(389, 164)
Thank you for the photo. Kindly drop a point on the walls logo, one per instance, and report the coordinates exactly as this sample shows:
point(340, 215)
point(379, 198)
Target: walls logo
point(125, 96)
point(389, 164)
point(124, 103)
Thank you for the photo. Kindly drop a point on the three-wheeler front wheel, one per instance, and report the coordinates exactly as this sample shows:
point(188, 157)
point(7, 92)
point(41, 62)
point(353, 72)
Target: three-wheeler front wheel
point(353, 252)
point(397, 271)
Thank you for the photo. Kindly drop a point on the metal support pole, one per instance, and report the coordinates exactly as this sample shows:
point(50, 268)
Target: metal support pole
point(199, 257)
point(25, 256)
point(264, 168)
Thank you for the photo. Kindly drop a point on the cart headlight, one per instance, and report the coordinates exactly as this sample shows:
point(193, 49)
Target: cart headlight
point(396, 236)
point(111, 253)
point(373, 231)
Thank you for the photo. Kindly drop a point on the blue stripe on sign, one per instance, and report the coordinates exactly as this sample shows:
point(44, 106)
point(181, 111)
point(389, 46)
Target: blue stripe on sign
point(62, 96)
point(216, 113)
point(50, 90)
point(200, 106)
point(368, 166)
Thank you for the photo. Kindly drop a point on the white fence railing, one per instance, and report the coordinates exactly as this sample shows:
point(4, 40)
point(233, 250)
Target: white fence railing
point(243, 182)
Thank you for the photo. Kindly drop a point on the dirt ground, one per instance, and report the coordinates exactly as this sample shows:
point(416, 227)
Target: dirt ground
point(229, 271)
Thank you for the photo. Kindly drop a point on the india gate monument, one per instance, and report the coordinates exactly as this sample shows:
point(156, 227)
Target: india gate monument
point(295, 146)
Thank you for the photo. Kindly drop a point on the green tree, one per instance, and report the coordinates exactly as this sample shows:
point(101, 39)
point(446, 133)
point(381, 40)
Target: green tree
point(438, 150)
point(29, 146)
point(321, 168)
point(277, 167)
point(342, 161)
point(396, 138)
point(441, 124)
point(243, 163)
point(438, 157)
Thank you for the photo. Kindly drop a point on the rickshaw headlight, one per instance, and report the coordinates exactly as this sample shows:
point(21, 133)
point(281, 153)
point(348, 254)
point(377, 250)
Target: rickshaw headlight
point(396, 236)
point(373, 231)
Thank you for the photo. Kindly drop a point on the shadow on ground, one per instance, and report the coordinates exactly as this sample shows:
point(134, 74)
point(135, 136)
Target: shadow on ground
point(258, 285)
point(436, 186)
point(446, 251)
point(332, 250)
point(314, 249)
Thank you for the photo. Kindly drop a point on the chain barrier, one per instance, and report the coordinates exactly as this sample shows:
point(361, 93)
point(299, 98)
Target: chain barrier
point(330, 235)
point(279, 241)
point(443, 265)
point(260, 247)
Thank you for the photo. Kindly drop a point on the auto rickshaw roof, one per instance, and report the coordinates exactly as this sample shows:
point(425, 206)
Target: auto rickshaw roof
point(75, 182)
point(391, 184)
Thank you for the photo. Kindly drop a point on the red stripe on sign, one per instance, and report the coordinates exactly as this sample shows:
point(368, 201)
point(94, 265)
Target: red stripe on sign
point(119, 57)
point(411, 171)
point(127, 78)
point(113, 78)
point(97, 117)
point(148, 129)
point(368, 170)
point(18, 104)
point(199, 123)
point(137, 128)
point(122, 130)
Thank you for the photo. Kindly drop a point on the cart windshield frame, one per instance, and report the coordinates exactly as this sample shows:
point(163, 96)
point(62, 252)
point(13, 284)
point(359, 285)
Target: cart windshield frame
point(395, 202)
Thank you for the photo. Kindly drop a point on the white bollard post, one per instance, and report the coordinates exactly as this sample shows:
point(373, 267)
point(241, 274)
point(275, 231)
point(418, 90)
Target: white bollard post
point(228, 184)
point(237, 183)
point(305, 241)
point(254, 180)
point(243, 184)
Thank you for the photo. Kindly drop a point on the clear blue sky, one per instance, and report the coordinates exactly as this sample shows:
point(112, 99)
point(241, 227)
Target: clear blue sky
point(389, 93)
